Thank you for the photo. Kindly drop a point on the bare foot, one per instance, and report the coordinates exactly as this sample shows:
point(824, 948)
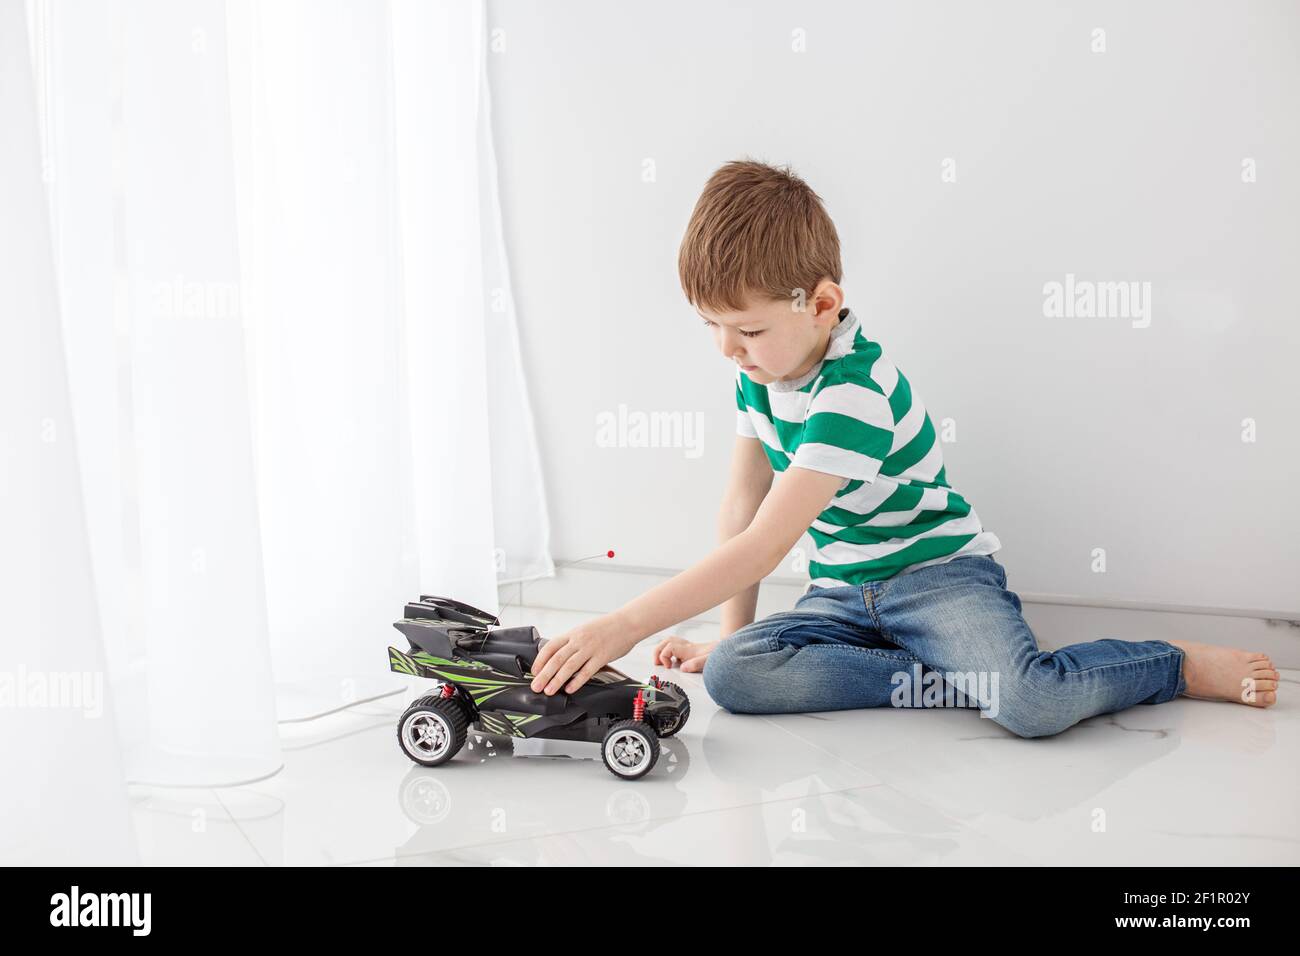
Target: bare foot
point(1225, 673)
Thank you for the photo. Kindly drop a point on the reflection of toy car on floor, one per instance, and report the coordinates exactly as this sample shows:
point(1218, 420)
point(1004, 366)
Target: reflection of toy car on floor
point(483, 672)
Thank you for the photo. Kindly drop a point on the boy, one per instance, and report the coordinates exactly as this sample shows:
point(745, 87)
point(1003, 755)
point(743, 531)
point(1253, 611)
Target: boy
point(903, 585)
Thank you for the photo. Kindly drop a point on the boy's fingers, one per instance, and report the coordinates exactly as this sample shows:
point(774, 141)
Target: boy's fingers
point(544, 655)
point(694, 665)
point(567, 669)
point(582, 676)
point(539, 665)
point(542, 676)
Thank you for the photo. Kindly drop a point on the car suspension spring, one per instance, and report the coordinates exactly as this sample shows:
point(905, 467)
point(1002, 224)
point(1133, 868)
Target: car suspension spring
point(638, 706)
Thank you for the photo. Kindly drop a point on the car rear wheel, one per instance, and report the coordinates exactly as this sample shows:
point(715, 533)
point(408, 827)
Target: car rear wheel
point(630, 749)
point(432, 730)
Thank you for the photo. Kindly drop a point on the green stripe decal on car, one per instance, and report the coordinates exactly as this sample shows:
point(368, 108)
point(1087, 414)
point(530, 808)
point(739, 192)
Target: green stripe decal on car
point(486, 681)
point(401, 663)
point(430, 661)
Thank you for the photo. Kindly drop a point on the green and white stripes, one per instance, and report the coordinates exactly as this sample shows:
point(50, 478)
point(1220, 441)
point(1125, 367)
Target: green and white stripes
point(855, 415)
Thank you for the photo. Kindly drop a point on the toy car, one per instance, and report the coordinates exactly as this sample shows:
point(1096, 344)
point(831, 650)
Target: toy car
point(484, 672)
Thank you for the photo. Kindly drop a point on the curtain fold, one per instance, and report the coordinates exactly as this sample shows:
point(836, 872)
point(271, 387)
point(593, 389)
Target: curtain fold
point(292, 359)
point(143, 189)
point(518, 495)
point(317, 175)
point(57, 725)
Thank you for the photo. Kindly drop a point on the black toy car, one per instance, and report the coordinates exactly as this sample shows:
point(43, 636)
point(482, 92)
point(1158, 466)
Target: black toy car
point(483, 673)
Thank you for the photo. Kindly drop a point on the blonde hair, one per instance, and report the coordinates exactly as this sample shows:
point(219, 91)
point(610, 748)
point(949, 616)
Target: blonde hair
point(757, 230)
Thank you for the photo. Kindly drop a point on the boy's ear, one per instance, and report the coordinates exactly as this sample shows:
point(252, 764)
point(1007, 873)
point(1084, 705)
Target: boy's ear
point(827, 298)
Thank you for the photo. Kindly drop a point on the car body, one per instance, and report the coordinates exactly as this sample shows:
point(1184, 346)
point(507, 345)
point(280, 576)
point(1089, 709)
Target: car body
point(484, 672)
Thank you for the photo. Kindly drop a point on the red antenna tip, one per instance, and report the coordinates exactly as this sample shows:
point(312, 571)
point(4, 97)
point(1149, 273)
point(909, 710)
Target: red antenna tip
point(609, 554)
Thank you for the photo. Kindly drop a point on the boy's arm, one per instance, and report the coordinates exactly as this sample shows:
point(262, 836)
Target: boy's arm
point(568, 661)
point(747, 486)
point(741, 561)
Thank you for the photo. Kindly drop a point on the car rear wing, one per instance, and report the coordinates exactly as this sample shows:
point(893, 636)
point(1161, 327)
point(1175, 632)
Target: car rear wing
point(431, 607)
point(431, 636)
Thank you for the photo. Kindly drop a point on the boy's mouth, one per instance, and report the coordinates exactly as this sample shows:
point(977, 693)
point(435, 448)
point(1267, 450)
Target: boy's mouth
point(747, 368)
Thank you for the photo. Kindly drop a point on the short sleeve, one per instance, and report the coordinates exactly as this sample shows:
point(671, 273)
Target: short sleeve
point(848, 430)
point(744, 426)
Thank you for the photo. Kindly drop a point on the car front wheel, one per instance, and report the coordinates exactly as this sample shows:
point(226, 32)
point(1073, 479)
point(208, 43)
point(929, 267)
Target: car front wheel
point(630, 749)
point(675, 724)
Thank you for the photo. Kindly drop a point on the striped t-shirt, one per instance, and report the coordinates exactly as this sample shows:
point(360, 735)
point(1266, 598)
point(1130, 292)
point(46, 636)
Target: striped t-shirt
point(855, 415)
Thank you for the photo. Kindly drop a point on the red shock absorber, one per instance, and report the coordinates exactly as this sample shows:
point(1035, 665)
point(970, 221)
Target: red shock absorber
point(638, 706)
point(448, 690)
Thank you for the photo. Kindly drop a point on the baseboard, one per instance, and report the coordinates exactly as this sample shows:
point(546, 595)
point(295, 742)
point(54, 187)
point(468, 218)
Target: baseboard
point(599, 590)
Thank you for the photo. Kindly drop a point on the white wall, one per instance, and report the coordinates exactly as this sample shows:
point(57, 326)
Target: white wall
point(1072, 434)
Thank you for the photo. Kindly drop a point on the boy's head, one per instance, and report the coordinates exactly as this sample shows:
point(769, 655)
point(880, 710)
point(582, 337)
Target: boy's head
point(761, 264)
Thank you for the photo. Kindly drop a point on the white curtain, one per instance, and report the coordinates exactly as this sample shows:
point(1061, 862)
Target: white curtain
point(266, 273)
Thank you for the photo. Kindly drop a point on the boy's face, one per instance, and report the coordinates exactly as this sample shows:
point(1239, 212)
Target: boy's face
point(770, 340)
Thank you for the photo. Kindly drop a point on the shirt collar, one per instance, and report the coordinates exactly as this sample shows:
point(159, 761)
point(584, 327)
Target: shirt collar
point(840, 344)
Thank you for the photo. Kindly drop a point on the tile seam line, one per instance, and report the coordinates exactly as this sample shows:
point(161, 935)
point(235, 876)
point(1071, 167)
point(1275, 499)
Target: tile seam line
point(235, 821)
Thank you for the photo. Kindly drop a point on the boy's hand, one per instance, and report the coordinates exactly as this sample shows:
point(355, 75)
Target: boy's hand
point(690, 654)
point(577, 654)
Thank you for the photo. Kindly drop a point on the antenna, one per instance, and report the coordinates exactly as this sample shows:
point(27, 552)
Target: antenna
point(519, 601)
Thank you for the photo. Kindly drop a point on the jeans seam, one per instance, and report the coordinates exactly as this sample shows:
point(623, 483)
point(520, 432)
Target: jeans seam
point(1126, 663)
point(1180, 682)
point(869, 604)
point(869, 599)
point(906, 658)
point(775, 641)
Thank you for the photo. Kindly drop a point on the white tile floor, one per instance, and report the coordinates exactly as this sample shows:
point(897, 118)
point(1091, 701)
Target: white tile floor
point(1188, 782)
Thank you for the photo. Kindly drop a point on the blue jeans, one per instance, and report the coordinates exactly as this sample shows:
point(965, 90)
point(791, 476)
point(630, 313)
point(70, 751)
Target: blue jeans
point(947, 634)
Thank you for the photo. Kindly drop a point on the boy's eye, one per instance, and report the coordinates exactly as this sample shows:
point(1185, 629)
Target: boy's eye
point(748, 335)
